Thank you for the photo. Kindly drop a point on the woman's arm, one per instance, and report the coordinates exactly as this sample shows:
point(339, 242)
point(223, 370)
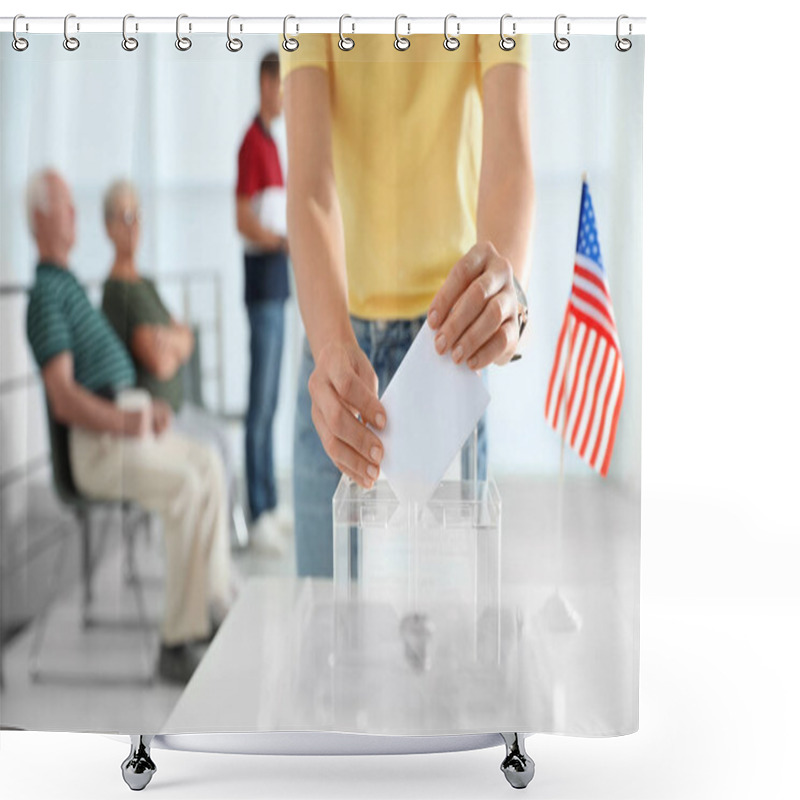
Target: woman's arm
point(314, 216)
point(475, 310)
point(343, 383)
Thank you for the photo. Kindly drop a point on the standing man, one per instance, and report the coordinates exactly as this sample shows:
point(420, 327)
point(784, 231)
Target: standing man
point(261, 219)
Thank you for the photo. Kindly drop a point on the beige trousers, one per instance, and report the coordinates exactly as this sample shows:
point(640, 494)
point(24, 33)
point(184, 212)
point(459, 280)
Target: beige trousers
point(182, 480)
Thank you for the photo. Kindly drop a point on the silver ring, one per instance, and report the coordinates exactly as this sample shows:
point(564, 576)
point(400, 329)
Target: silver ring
point(128, 42)
point(507, 42)
point(71, 43)
point(345, 42)
point(400, 42)
point(623, 45)
point(451, 42)
point(234, 45)
point(17, 42)
point(290, 44)
point(183, 43)
point(561, 43)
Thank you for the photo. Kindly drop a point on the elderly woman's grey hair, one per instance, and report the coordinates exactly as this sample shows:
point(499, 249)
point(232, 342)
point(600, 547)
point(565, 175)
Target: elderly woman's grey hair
point(118, 188)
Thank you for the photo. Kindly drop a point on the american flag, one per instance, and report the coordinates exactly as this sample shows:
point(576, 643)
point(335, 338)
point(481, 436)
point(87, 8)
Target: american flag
point(584, 400)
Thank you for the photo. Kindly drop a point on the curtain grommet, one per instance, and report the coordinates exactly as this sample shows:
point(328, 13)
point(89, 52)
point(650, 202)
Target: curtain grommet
point(346, 43)
point(289, 43)
point(233, 44)
point(401, 43)
point(71, 43)
point(451, 43)
point(561, 43)
point(19, 43)
point(129, 43)
point(507, 42)
point(183, 43)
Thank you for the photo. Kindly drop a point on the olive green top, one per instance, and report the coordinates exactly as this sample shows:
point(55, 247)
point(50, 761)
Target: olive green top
point(128, 304)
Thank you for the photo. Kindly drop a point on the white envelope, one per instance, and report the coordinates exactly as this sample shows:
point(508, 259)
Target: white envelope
point(432, 405)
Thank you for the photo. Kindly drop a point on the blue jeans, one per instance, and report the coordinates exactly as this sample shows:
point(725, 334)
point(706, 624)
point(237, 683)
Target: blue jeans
point(266, 349)
point(315, 475)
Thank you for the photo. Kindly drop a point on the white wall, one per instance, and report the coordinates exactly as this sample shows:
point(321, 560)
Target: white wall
point(173, 122)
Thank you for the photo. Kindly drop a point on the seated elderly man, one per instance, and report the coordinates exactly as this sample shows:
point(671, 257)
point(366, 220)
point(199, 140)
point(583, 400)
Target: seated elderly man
point(159, 345)
point(120, 452)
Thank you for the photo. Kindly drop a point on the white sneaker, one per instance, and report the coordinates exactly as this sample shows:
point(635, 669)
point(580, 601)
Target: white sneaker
point(265, 535)
point(285, 517)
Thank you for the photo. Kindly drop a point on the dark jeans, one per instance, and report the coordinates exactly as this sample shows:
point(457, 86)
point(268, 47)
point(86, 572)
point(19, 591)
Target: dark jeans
point(315, 475)
point(266, 349)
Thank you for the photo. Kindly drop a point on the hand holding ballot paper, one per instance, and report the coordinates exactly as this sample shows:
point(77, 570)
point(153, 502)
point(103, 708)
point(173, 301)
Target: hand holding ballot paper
point(473, 321)
point(432, 404)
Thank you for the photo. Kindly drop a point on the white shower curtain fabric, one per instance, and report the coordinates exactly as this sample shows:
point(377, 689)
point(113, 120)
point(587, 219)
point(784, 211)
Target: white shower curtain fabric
point(510, 603)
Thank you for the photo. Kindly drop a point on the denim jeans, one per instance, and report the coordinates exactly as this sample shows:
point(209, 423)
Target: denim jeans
point(315, 475)
point(266, 349)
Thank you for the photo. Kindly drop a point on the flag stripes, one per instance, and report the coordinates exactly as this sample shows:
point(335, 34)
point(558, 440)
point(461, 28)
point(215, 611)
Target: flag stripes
point(587, 381)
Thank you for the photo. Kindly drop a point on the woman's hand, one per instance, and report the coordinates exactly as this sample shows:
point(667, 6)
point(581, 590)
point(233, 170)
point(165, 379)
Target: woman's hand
point(344, 386)
point(474, 314)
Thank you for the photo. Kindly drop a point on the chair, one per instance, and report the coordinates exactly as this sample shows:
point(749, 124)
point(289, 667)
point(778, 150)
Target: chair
point(134, 519)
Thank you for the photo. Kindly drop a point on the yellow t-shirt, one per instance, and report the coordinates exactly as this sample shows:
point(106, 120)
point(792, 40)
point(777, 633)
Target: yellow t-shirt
point(407, 129)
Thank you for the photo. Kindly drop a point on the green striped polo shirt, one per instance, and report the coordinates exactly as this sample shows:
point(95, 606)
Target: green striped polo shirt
point(61, 318)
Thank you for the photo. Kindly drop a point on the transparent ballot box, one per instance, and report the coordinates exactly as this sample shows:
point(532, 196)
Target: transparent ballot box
point(412, 637)
point(442, 556)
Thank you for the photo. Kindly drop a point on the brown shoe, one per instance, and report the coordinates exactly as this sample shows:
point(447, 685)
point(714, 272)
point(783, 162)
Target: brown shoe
point(176, 663)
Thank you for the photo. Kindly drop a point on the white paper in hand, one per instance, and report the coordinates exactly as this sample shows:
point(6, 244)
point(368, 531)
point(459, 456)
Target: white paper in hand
point(432, 405)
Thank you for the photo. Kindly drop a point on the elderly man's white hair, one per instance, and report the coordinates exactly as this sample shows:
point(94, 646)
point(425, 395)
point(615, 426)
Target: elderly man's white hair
point(38, 194)
point(118, 188)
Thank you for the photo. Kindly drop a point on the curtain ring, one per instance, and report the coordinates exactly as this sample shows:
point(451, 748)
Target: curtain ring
point(400, 42)
point(17, 42)
point(129, 43)
point(507, 42)
point(234, 45)
point(561, 43)
point(183, 43)
point(71, 43)
point(451, 42)
point(623, 45)
point(345, 42)
point(290, 44)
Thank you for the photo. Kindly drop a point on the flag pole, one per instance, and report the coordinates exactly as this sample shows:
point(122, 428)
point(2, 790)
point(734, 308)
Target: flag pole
point(561, 617)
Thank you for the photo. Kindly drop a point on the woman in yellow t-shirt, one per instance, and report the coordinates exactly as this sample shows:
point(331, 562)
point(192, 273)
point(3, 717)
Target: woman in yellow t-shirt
point(410, 197)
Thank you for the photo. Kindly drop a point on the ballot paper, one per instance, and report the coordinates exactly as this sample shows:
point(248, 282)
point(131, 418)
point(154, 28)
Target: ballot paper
point(432, 405)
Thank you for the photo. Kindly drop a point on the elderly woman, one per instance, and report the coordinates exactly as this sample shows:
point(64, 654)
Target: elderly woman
point(159, 345)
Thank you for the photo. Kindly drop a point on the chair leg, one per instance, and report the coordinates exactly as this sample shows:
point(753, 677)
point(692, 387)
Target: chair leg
point(138, 768)
point(83, 677)
point(517, 766)
point(34, 657)
point(85, 524)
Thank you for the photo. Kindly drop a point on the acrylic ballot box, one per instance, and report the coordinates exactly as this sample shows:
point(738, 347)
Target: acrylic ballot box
point(416, 622)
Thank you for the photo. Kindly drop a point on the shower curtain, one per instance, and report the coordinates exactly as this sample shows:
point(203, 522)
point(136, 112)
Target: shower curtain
point(283, 251)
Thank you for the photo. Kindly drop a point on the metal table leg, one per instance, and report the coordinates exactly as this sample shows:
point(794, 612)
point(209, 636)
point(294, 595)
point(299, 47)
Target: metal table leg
point(517, 766)
point(138, 768)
